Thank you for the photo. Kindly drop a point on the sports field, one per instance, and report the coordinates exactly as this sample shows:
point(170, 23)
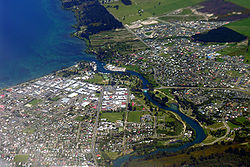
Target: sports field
point(113, 116)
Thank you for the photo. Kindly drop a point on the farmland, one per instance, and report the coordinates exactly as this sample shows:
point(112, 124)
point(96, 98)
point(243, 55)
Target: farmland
point(243, 27)
point(141, 9)
point(242, 3)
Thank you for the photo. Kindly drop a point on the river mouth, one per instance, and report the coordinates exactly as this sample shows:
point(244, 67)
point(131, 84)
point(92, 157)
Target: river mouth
point(220, 35)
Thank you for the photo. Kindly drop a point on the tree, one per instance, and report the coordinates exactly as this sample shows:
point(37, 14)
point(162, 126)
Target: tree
point(127, 2)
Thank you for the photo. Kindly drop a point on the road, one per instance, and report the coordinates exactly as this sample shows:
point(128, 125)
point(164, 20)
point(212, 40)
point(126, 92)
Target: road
point(166, 95)
point(155, 126)
point(124, 131)
point(239, 79)
point(208, 88)
point(218, 139)
point(95, 128)
point(129, 30)
point(125, 122)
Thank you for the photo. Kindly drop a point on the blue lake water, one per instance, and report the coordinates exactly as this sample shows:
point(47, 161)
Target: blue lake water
point(35, 40)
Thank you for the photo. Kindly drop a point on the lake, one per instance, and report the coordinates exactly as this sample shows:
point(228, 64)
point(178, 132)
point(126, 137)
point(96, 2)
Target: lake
point(35, 39)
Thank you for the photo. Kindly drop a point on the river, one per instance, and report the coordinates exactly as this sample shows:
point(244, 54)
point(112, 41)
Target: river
point(200, 134)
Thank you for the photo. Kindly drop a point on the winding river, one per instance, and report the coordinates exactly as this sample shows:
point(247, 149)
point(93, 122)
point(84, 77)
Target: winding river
point(200, 134)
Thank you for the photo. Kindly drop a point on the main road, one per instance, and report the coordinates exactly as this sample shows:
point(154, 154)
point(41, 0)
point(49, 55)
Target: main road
point(208, 88)
point(95, 128)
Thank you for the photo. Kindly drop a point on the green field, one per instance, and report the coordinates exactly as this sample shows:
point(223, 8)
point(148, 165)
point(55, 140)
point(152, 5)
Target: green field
point(120, 41)
point(232, 126)
point(29, 130)
point(234, 50)
point(134, 116)
point(34, 102)
point(55, 98)
point(241, 119)
point(177, 18)
point(243, 3)
point(242, 27)
point(142, 9)
point(216, 125)
point(97, 79)
point(167, 92)
point(112, 155)
point(21, 158)
point(112, 117)
point(80, 118)
point(186, 12)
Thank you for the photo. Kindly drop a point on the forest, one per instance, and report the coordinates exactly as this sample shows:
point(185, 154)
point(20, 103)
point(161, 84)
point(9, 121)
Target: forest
point(89, 21)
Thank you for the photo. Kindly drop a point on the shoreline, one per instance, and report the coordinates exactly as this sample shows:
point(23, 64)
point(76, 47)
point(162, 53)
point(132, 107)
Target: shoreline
point(37, 78)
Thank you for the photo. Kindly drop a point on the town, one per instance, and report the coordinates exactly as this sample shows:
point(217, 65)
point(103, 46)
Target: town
point(79, 116)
